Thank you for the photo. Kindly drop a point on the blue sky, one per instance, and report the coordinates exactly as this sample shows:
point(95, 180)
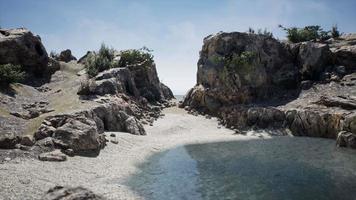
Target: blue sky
point(173, 29)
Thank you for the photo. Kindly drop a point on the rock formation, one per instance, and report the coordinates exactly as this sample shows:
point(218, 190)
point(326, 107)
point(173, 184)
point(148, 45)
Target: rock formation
point(118, 99)
point(255, 81)
point(68, 193)
point(66, 56)
point(21, 47)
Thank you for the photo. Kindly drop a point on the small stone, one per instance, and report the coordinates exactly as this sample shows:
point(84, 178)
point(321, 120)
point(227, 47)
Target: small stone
point(56, 156)
point(114, 141)
point(27, 141)
point(112, 135)
point(7, 159)
point(219, 127)
point(69, 152)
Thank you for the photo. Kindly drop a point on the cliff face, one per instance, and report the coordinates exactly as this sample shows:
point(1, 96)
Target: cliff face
point(256, 81)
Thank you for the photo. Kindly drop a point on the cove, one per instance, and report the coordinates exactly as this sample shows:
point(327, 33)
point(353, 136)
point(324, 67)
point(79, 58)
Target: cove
point(277, 168)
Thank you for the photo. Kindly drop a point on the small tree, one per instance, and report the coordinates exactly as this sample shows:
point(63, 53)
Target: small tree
point(10, 73)
point(334, 31)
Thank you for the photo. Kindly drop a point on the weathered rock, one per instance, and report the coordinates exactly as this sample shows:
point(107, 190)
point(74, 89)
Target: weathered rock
point(83, 59)
point(314, 123)
point(344, 50)
point(8, 141)
point(21, 47)
point(27, 140)
point(253, 81)
point(54, 156)
point(133, 126)
point(83, 131)
point(342, 102)
point(166, 91)
point(138, 80)
point(346, 139)
point(66, 56)
point(242, 68)
point(66, 193)
point(79, 134)
point(313, 59)
point(112, 81)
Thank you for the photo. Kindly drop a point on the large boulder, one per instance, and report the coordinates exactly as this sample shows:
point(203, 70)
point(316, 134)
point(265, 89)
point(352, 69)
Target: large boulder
point(21, 47)
point(136, 80)
point(146, 80)
point(242, 68)
point(313, 58)
point(70, 193)
point(346, 139)
point(112, 81)
point(344, 50)
point(8, 140)
point(66, 56)
point(83, 131)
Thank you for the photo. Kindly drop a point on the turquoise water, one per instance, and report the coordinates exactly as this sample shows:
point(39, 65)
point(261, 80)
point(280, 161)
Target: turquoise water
point(279, 168)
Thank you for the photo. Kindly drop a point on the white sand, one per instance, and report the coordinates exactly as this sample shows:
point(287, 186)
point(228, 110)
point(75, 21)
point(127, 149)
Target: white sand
point(30, 179)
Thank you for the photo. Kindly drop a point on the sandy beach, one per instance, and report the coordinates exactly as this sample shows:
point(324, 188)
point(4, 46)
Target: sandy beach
point(106, 173)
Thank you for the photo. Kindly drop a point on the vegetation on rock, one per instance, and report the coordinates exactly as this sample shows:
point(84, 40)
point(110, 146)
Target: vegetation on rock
point(308, 33)
point(107, 58)
point(135, 56)
point(264, 32)
point(10, 73)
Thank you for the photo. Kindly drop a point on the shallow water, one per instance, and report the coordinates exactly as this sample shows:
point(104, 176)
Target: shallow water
point(277, 168)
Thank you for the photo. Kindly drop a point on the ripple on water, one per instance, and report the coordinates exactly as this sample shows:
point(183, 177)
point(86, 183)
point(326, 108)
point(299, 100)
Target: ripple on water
point(278, 168)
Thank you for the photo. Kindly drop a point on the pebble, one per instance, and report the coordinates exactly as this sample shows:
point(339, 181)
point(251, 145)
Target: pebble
point(7, 159)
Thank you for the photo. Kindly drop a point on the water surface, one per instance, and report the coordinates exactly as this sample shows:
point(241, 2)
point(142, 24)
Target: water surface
point(278, 168)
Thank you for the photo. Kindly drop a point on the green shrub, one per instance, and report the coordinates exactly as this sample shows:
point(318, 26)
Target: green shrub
point(101, 61)
point(135, 56)
point(308, 33)
point(104, 59)
point(10, 73)
point(264, 32)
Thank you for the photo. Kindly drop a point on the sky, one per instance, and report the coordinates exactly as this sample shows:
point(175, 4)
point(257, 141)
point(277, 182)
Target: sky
point(174, 29)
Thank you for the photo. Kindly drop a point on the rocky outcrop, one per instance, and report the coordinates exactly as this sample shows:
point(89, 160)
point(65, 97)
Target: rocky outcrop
point(313, 58)
point(68, 193)
point(83, 131)
point(244, 68)
point(136, 80)
point(8, 140)
point(83, 59)
point(21, 47)
point(254, 81)
point(344, 50)
point(66, 56)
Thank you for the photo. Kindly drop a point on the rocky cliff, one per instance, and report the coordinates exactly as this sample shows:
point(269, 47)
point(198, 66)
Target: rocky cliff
point(255, 81)
point(69, 111)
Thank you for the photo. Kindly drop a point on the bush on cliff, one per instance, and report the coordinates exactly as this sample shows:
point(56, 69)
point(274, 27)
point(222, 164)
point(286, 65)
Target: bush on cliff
point(308, 33)
point(105, 59)
point(135, 56)
point(10, 73)
point(101, 61)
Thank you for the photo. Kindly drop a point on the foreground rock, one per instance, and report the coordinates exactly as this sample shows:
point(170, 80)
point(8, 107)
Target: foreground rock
point(83, 131)
point(254, 81)
point(56, 156)
point(21, 47)
point(67, 193)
